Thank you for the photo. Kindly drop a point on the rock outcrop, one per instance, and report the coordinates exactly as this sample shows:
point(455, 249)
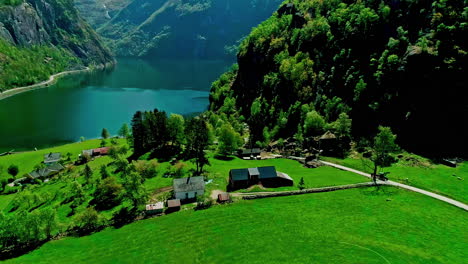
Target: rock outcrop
point(52, 23)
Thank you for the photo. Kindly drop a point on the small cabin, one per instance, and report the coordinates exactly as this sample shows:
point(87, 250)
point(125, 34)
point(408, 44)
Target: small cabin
point(173, 205)
point(156, 208)
point(224, 198)
point(189, 188)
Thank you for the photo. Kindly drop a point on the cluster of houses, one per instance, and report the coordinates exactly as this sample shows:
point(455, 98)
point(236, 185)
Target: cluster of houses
point(53, 166)
point(187, 189)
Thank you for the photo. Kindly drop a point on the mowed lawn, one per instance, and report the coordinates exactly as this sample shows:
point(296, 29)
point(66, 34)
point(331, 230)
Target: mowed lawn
point(351, 226)
point(441, 179)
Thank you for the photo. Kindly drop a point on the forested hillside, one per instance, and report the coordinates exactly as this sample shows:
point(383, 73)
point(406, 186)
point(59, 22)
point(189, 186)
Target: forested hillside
point(183, 28)
point(42, 37)
point(399, 63)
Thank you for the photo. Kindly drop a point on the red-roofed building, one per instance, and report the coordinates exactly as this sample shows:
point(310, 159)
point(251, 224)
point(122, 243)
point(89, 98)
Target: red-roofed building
point(101, 151)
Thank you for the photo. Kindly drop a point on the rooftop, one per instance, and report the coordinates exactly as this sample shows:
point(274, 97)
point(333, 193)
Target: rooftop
point(189, 184)
point(240, 174)
point(267, 172)
point(156, 206)
point(173, 203)
point(251, 151)
point(52, 157)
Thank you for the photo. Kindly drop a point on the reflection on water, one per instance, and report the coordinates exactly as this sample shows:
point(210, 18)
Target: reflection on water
point(82, 105)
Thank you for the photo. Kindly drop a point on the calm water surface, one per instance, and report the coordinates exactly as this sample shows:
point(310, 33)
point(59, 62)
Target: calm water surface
point(82, 105)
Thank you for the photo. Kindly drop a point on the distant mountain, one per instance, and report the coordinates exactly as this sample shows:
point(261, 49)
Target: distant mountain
point(399, 63)
point(42, 37)
point(181, 28)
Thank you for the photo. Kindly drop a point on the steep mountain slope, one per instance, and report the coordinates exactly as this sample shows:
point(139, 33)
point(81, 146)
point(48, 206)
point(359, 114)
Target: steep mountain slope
point(42, 37)
point(184, 28)
point(400, 63)
point(99, 12)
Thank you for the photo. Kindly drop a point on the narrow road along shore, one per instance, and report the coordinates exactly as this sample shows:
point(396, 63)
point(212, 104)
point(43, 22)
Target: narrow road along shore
point(403, 186)
point(51, 80)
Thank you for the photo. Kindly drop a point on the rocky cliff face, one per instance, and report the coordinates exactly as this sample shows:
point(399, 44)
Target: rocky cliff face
point(52, 23)
point(99, 12)
point(206, 29)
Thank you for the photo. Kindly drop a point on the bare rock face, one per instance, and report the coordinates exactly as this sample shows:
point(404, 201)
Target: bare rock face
point(55, 23)
point(21, 25)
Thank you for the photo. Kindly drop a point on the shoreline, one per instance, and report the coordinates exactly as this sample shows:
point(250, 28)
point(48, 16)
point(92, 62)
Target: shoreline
point(52, 80)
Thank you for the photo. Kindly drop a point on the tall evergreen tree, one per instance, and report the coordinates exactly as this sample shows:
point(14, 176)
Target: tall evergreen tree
point(138, 133)
point(198, 140)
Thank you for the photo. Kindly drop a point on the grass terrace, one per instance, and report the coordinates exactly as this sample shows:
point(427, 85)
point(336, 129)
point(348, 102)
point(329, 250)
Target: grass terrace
point(351, 226)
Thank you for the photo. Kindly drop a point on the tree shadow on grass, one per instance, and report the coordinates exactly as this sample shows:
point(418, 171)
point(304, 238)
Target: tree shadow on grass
point(379, 190)
point(225, 158)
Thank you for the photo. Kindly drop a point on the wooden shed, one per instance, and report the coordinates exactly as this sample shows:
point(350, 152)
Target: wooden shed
point(224, 198)
point(173, 205)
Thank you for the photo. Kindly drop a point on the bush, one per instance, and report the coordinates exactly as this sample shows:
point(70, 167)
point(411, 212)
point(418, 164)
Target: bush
point(203, 203)
point(13, 170)
point(88, 222)
point(147, 169)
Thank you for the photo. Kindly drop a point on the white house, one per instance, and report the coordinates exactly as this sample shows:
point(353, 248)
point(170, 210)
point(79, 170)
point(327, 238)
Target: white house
point(189, 188)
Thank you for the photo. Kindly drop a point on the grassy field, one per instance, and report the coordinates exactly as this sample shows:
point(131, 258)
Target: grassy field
point(351, 226)
point(451, 182)
point(27, 160)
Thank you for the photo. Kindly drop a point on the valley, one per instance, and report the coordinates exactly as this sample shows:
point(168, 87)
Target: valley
point(233, 131)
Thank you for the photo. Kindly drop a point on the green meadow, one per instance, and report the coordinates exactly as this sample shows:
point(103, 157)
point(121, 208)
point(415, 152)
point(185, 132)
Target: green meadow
point(352, 226)
point(441, 179)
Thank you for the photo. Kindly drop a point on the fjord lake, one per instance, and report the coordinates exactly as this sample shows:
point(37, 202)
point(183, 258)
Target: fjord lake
point(82, 105)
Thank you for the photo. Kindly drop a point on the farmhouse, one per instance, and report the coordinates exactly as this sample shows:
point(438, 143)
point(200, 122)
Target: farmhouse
point(189, 188)
point(96, 152)
point(52, 158)
point(101, 151)
point(46, 172)
point(156, 208)
point(267, 176)
point(253, 153)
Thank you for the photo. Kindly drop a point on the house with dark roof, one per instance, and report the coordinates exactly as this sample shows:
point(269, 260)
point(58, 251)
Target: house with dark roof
point(52, 158)
point(46, 172)
point(253, 153)
point(189, 188)
point(267, 176)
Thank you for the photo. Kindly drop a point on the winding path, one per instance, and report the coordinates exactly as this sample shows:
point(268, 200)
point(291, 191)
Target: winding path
point(403, 186)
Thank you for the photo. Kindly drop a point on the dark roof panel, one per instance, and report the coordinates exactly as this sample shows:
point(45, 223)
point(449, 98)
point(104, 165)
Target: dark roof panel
point(267, 172)
point(239, 174)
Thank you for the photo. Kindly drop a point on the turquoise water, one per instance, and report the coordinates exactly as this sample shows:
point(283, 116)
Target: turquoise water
point(81, 105)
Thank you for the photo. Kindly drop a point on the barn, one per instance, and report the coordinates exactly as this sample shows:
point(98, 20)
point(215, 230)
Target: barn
point(239, 179)
point(267, 176)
